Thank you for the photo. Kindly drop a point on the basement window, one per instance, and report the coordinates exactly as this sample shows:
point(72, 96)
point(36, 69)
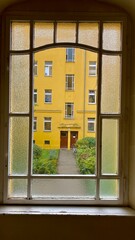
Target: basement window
point(93, 133)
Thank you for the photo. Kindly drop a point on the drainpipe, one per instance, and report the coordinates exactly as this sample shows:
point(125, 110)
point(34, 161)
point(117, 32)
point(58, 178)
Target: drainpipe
point(84, 93)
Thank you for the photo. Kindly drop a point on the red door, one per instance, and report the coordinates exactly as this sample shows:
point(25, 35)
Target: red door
point(63, 139)
point(73, 138)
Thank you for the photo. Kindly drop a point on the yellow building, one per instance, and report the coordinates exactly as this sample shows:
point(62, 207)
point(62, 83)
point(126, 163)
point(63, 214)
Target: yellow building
point(65, 92)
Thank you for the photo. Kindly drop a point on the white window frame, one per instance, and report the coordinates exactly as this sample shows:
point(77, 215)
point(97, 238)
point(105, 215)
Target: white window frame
point(48, 94)
point(71, 114)
point(48, 68)
point(92, 93)
point(91, 121)
point(35, 96)
point(47, 120)
point(69, 77)
point(68, 58)
point(92, 68)
point(35, 68)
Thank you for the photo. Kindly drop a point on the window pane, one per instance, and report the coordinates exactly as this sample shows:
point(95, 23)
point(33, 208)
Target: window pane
point(66, 32)
point(112, 36)
point(19, 84)
point(64, 188)
point(43, 33)
point(20, 36)
point(19, 145)
point(109, 189)
point(88, 34)
point(111, 84)
point(17, 188)
point(110, 150)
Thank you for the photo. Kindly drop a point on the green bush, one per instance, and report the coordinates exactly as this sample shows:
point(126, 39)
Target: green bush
point(37, 151)
point(86, 155)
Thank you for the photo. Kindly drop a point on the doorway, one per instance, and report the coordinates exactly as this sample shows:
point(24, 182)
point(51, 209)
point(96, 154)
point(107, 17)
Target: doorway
point(64, 139)
point(73, 138)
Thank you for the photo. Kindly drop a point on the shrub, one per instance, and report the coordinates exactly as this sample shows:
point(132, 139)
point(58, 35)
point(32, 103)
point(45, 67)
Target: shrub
point(37, 151)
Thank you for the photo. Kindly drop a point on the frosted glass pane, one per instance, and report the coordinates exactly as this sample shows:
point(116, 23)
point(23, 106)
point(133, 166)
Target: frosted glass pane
point(19, 84)
point(109, 189)
point(111, 84)
point(64, 188)
point(110, 149)
point(19, 141)
point(20, 36)
point(66, 32)
point(112, 36)
point(43, 34)
point(17, 188)
point(88, 34)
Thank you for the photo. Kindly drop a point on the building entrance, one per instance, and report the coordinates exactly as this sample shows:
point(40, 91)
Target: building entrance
point(64, 139)
point(73, 138)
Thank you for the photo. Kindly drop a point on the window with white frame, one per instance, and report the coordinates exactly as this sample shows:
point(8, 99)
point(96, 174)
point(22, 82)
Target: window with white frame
point(35, 68)
point(35, 124)
point(35, 96)
point(70, 54)
point(48, 95)
point(104, 184)
point(92, 68)
point(47, 124)
point(69, 110)
point(91, 124)
point(48, 68)
point(92, 97)
point(69, 81)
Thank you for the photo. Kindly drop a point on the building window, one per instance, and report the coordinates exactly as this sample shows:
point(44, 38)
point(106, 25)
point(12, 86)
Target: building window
point(47, 124)
point(69, 110)
point(69, 82)
point(70, 54)
point(48, 68)
point(47, 142)
point(91, 124)
point(92, 68)
point(35, 124)
point(35, 68)
point(35, 96)
point(34, 142)
point(92, 97)
point(48, 96)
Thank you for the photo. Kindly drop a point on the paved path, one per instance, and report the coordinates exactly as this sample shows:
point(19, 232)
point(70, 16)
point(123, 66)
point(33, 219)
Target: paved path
point(67, 163)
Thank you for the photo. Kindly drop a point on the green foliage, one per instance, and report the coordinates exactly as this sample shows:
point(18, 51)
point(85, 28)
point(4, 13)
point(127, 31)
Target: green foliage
point(37, 151)
point(47, 163)
point(86, 155)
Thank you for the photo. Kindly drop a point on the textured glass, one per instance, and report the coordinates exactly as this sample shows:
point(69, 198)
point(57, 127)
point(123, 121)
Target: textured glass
point(20, 36)
point(109, 189)
point(64, 188)
point(66, 32)
point(18, 141)
point(17, 188)
point(19, 84)
point(88, 34)
point(43, 34)
point(111, 84)
point(112, 36)
point(110, 149)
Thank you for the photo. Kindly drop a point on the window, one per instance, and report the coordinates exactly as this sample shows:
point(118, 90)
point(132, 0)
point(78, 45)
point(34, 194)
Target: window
point(92, 68)
point(35, 96)
point(92, 42)
point(70, 54)
point(47, 124)
point(48, 96)
point(47, 142)
point(69, 110)
point(69, 82)
point(35, 124)
point(91, 124)
point(92, 97)
point(48, 68)
point(35, 68)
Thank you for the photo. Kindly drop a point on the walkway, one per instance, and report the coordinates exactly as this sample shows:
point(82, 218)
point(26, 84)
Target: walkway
point(67, 163)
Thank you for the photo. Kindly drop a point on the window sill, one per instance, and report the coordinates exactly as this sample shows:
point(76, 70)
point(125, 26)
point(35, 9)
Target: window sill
point(56, 210)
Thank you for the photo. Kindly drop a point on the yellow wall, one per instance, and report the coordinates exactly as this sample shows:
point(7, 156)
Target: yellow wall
point(56, 110)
